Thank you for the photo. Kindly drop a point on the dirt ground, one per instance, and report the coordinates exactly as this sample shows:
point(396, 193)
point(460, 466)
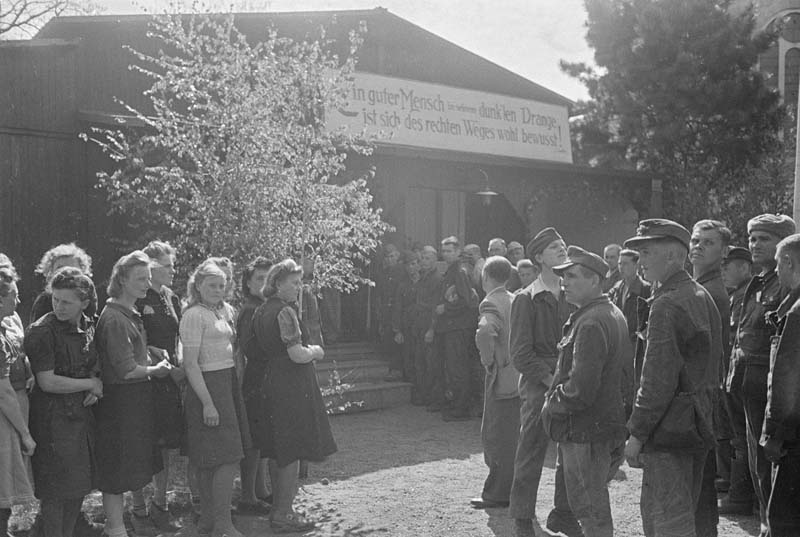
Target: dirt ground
point(403, 472)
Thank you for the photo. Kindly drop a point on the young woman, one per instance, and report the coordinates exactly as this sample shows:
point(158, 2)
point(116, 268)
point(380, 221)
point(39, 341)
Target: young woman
point(126, 445)
point(63, 255)
point(60, 346)
point(160, 311)
point(215, 417)
point(253, 469)
point(15, 438)
point(287, 413)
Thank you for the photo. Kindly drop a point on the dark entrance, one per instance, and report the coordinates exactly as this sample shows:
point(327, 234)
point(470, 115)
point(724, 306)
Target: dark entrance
point(498, 219)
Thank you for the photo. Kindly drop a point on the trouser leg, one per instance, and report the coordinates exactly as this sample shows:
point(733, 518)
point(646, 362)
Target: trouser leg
point(741, 483)
point(457, 364)
point(586, 469)
point(754, 395)
point(499, 435)
point(783, 509)
point(71, 510)
point(52, 511)
point(671, 485)
point(530, 453)
point(706, 516)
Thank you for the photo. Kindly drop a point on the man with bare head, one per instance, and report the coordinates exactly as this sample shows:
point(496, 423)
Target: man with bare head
point(611, 257)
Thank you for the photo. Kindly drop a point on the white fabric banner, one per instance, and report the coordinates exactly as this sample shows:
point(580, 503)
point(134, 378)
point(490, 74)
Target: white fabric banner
point(442, 117)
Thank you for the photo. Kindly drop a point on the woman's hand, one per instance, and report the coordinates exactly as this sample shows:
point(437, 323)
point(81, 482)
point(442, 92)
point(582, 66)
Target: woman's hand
point(28, 445)
point(161, 369)
point(210, 415)
point(97, 388)
point(90, 399)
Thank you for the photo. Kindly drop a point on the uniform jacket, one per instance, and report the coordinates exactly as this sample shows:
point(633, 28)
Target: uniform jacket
point(587, 381)
point(611, 280)
point(635, 307)
point(428, 291)
point(684, 329)
point(403, 307)
point(492, 340)
point(782, 419)
point(762, 295)
point(461, 313)
point(536, 320)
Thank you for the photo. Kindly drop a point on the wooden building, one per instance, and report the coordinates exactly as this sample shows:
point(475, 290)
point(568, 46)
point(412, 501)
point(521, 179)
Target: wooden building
point(459, 125)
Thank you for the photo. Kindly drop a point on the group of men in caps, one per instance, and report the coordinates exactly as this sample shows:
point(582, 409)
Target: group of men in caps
point(693, 377)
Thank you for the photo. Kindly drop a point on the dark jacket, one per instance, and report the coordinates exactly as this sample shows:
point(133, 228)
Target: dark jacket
point(586, 384)
point(461, 313)
point(712, 281)
point(403, 306)
point(536, 321)
point(635, 307)
point(751, 346)
point(683, 329)
point(611, 280)
point(782, 418)
point(426, 298)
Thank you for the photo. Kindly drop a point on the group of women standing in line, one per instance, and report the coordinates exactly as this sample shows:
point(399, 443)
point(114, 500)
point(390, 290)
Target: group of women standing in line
point(114, 394)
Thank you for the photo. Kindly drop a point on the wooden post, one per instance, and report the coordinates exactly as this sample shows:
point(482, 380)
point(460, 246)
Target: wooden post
point(796, 204)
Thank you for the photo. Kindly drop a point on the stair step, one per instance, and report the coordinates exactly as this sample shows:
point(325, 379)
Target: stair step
point(369, 396)
point(351, 371)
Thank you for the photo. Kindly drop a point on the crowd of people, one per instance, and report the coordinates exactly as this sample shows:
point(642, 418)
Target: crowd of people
point(676, 351)
point(97, 398)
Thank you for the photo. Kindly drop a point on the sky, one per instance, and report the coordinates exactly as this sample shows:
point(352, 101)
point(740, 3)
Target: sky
point(528, 37)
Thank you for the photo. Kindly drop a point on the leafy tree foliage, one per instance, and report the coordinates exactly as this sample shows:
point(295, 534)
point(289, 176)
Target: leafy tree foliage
point(236, 159)
point(677, 93)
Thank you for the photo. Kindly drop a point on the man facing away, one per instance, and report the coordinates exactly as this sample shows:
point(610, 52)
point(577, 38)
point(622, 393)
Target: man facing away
point(500, 425)
point(750, 358)
point(584, 405)
point(611, 257)
point(781, 432)
point(682, 356)
point(630, 295)
point(737, 270)
point(707, 247)
point(497, 246)
point(537, 314)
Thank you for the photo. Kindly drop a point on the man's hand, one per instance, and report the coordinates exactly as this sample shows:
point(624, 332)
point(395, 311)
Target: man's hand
point(429, 337)
point(633, 448)
point(773, 450)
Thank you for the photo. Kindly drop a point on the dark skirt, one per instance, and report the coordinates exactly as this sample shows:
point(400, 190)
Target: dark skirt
point(64, 431)
point(224, 444)
point(127, 453)
point(287, 415)
point(168, 411)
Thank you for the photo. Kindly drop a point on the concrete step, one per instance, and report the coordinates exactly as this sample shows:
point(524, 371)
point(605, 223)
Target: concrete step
point(351, 371)
point(366, 396)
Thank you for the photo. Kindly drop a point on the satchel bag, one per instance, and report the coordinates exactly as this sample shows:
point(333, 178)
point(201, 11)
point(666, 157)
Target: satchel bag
point(556, 426)
point(682, 426)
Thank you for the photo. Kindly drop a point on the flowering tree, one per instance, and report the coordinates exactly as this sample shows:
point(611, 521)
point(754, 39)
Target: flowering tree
point(236, 159)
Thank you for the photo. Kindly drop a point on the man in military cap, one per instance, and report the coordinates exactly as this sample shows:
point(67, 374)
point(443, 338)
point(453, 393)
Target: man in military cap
point(684, 346)
point(737, 269)
point(537, 315)
point(584, 407)
point(707, 247)
point(749, 365)
point(781, 432)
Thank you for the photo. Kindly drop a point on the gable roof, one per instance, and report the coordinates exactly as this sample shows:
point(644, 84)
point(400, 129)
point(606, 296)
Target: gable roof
point(393, 46)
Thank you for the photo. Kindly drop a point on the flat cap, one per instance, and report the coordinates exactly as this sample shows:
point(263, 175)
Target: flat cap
point(779, 225)
point(659, 229)
point(513, 245)
point(541, 240)
point(737, 252)
point(578, 256)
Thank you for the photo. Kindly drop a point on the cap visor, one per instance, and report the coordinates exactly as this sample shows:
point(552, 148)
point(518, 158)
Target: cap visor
point(559, 269)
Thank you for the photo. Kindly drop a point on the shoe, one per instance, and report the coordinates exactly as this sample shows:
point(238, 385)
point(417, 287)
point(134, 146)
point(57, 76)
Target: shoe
point(86, 528)
point(258, 508)
point(523, 527)
point(161, 518)
point(480, 503)
point(142, 525)
point(727, 507)
point(290, 523)
point(455, 416)
point(566, 523)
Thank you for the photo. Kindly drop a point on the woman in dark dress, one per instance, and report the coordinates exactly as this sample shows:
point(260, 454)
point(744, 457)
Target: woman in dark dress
point(253, 469)
point(287, 415)
point(60, 346)
point(127, 451)
point(160, 313)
